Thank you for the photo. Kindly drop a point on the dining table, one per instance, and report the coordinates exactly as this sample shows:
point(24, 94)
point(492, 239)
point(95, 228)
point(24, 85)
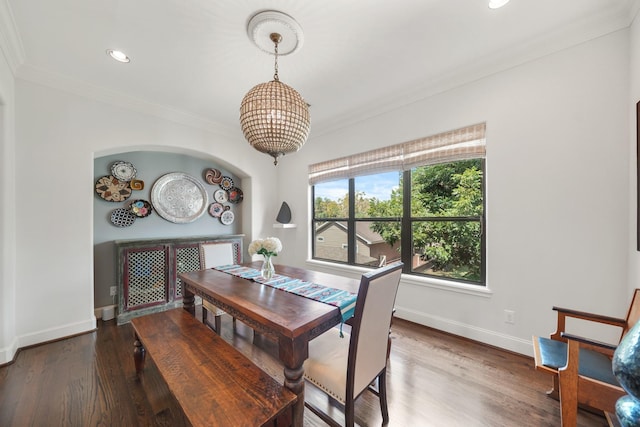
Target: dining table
point(289, 319)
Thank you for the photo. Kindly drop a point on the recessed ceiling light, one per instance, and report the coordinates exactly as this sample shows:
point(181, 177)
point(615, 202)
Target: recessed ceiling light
point(118, 56)
point(495, 4)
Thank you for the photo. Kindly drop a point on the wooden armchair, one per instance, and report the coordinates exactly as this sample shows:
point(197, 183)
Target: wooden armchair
point(580, 367)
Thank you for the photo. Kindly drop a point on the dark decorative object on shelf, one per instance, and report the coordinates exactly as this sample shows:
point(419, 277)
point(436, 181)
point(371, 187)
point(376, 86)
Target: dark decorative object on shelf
point(626, 368)
point(284, 215)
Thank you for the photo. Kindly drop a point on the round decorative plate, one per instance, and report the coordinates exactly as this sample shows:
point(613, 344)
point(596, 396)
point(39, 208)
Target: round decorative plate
point(140, 208)
point(179, 198)
point(221, 196)
point(226, 183)
point(113, 190)
point(235, 195)
point(216, 209)
point(124, 171)
point(227, 217)
point(122, 217)
point(213, 176)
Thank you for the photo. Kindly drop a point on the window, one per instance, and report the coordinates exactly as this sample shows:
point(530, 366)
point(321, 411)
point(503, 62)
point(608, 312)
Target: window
point(401, 203)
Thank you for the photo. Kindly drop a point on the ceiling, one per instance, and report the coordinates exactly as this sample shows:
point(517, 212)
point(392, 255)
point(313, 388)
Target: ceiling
point(358, 59)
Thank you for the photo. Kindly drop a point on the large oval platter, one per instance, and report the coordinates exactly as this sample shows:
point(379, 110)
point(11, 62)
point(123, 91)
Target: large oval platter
point(179, 198)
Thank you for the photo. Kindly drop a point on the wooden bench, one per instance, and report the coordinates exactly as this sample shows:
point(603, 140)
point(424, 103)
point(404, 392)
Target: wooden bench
point(212, 381)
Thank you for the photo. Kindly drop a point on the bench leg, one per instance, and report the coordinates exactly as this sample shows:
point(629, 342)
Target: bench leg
point(139, 354)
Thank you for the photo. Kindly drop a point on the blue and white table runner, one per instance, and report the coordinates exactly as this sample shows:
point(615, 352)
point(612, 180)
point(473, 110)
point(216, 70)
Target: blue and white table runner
point(344, 300)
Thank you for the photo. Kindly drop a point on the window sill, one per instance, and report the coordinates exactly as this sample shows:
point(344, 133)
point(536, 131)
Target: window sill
point(429, 282)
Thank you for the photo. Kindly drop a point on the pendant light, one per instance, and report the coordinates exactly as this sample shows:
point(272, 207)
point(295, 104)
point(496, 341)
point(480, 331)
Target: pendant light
point(274, 117)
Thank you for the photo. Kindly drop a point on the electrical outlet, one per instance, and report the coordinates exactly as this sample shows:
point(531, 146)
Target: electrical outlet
point(510, 317)
point(113, 291)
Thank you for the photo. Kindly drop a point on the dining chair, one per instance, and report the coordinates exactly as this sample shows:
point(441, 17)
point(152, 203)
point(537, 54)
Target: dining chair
point(344, 367)
point(213, 255)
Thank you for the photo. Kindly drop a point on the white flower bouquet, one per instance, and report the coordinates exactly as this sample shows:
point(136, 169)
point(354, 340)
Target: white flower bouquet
point(268, 247)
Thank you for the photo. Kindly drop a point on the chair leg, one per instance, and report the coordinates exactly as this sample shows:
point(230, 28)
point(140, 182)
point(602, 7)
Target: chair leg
point(349, 413)
point(568, 380)
point(555, 386)
point(382, 394)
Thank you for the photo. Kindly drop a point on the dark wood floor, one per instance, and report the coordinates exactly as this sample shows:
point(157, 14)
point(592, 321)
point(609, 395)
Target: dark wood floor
point(434, 379)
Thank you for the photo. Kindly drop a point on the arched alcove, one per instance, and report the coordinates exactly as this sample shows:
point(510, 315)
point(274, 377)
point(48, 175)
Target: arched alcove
point(149, 167)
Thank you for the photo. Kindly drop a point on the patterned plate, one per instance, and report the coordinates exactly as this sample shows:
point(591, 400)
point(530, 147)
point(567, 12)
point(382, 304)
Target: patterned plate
point(140, 208)
point(227, 217)
point(216, 209)
point(122, 217)
point(213, 176)
point(124, 171)
point(179, 198)
point(226, 183)
point(235, 195)
point(113, 190)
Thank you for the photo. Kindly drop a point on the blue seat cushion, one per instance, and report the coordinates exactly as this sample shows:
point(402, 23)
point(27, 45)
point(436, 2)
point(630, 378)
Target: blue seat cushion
point(592, 364)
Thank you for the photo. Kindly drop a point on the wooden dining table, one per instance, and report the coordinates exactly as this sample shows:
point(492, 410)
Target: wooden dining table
point(289, 319)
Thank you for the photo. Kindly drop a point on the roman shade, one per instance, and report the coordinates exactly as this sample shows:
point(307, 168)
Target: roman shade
point(464, 143)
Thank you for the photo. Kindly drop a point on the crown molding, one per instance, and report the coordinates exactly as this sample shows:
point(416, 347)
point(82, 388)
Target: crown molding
point(566, 38)
point(122, 100)
point(10, 42)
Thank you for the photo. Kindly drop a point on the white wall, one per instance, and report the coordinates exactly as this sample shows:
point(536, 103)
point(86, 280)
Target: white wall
point(59, 135)
point(8, 340)
point(634, 97)
point(557, 191)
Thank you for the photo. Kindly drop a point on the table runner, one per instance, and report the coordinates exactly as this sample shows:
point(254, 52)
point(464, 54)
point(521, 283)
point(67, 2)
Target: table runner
point(344, 300)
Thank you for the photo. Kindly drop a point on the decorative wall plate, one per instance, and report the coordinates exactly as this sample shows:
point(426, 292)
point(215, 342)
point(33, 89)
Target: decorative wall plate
point(113, 190)
point(179, 198)
point(213, 176)
point(221, 196)
point(124, 171)
point(235, 195)
point(227, 217)
point(226, 183)
point(136, 184)
point(216, 209)
point(140, 208)
point(122, 217)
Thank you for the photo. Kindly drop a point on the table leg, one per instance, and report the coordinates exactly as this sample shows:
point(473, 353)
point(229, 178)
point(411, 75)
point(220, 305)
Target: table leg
point(293, 355)
point(139, 354)
point(188, 300)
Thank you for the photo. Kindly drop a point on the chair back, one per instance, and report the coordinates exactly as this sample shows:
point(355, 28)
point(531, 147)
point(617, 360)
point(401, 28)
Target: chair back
point(214, 254)
point(370, 327)
point(633, 315)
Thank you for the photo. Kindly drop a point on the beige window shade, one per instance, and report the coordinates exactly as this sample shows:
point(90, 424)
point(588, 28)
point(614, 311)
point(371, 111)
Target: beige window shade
point(459, 144)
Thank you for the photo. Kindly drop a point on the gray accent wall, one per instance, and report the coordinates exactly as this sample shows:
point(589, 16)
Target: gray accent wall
point(150, 166)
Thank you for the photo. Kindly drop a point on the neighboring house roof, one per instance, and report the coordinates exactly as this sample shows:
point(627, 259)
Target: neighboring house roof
point(365, 234)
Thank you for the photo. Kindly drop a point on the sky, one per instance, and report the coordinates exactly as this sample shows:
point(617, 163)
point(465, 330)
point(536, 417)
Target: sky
point(378, 186)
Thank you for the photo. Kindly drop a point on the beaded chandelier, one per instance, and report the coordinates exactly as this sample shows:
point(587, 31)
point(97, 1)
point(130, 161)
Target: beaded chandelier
point(273, 116)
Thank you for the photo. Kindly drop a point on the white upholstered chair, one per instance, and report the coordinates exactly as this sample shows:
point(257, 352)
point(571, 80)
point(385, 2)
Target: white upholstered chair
point(212, 255)
point(344, 368)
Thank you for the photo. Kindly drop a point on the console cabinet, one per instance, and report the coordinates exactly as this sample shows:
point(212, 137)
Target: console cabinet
point(148, 271)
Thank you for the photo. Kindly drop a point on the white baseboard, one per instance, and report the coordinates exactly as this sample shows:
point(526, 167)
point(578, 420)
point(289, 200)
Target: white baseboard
point(8, 353)
point(57, 333)
point(98, 310)
point(497, 339)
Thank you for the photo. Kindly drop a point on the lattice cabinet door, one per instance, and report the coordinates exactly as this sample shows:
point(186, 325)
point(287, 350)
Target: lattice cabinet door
point(187, 258)
point(145, 277)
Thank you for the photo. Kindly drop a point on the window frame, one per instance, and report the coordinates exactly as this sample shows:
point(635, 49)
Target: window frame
point(406, 224)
